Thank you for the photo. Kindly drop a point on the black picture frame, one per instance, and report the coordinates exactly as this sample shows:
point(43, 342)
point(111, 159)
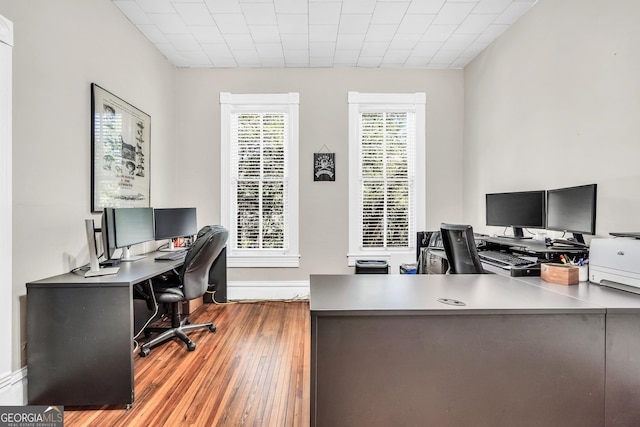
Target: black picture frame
point(120, 152)
point(324, 166)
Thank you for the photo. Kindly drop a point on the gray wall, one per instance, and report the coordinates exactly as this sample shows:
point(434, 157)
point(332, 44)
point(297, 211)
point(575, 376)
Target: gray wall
point(555, 102)
point(60, 48)
point(323, 121)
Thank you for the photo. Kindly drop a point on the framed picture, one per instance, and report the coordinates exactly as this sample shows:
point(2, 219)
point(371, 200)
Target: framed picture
point(324, 166)
point(120, 145)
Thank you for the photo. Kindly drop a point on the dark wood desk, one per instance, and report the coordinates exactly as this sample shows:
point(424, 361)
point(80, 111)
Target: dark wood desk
point(398, 350)
point(79, 335)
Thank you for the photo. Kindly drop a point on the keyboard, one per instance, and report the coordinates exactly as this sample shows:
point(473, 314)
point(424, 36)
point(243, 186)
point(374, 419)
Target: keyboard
point(503, 259)
point(172, 256)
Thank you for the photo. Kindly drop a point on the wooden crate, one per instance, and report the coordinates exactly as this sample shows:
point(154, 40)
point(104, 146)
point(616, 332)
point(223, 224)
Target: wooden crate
point(561, 274)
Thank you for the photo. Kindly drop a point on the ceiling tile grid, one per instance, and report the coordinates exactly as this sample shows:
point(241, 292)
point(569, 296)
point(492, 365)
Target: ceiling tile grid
point(322, 33)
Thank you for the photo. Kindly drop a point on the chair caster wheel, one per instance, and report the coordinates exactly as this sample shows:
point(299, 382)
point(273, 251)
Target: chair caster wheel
point(144, 352)
point(191, 346)
point(187, 322)
point(212, 328)
point(147, 334)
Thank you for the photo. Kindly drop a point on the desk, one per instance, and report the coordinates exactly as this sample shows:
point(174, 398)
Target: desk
point(385, 351)
point(79, 335)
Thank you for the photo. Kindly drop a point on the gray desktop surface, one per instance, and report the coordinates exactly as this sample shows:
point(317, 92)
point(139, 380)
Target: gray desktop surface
point(129, 274)
point(421, 294)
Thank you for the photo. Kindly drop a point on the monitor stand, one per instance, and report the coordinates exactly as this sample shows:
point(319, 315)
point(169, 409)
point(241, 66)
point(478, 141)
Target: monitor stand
point(127, 257)
point(94, 266)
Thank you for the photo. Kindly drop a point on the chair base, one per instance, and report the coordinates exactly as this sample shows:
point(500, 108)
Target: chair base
point(168, 334)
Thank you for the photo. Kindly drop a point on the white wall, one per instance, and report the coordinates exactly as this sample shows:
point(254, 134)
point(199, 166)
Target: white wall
point(60, 48)
point(323, 121)
point(555, 102)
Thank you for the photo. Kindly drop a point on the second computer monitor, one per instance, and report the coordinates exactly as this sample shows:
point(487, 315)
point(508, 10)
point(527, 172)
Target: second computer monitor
point(573, 210)
point(125, 227)
point(171, 223)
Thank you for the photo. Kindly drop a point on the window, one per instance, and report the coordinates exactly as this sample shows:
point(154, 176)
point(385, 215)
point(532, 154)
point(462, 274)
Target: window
point(259, 177)
point(386, 174)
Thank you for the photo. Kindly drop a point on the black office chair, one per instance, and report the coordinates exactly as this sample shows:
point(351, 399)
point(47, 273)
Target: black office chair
point(460, 248)
point(191, 282)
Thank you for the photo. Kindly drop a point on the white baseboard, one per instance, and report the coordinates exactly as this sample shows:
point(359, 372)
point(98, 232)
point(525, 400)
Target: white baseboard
point(238, 290)
point(13, 388)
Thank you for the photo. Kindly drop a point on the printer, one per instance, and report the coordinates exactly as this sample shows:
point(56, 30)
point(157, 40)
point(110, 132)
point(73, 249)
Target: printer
point(615, 262)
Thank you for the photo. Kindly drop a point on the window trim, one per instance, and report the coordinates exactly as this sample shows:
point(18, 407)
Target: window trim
point(284, 102)
point(358, 102)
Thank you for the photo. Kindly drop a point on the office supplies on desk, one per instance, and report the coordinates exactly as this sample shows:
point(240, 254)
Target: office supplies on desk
point(561, 274)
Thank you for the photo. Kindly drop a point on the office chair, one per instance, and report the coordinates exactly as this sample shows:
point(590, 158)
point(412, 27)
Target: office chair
point(460, 248)
point(191, 282)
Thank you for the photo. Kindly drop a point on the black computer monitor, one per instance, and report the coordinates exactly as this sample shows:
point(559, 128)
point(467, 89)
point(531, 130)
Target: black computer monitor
point(572, 210)
point(172, 223)
point(523, 209)
point(125, 227)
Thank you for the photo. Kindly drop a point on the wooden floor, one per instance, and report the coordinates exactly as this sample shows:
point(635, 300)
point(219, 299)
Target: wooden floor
point(253, 371)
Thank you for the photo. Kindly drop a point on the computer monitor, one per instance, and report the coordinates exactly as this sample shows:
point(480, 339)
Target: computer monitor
point(171, 223)
point(524, 209)
point(572, 210)
point(125, 227)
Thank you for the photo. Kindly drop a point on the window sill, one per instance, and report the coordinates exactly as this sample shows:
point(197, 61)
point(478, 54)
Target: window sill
point(264, 261)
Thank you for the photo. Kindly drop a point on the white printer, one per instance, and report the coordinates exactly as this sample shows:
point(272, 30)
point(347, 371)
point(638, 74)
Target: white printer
point(615, 262)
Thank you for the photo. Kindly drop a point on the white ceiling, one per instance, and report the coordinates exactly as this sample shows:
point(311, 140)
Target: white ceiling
point(322, 33)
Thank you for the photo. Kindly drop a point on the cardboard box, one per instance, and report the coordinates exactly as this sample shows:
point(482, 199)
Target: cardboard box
point(188, 307)
point(561, 274)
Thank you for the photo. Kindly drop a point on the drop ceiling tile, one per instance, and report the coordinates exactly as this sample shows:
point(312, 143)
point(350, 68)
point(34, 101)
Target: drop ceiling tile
point(233, 23)
point(458, 42)
point(346, 56)
point(293, 24)
point(358, 6)
point(291, 6)
point(492, 32)
point(428, 7)
point(415, 24)
point(321, 49)
point(247, 58)
point(350, 41)
point(513, 12)
point(206, 34)
point(377, 49)
point(223, 6)
point(132, 11)
point(438, 33)
point(491, 6)
point(427, 49)
point(169, 24)
point(453, 13)
point(389, 12)
point(323, 33)
point(259, 13)
point(369, 61)
point(269, 49)
point(194, 13)
point(321, 62)
point(324, 13)
point(184, 42)
point(405, 41)
point(354, 24)
point(153, 34)
point(476, 23)
point(239, 41)
point(155, 6)
point(381, 33)
point(265, 33)
point(294, 41)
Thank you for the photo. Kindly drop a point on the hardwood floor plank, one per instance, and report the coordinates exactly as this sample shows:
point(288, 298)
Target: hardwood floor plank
point(254, 371)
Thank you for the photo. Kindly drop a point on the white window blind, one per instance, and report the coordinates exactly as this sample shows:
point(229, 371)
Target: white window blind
point(259, 179)
point(258, 176)
point(386, 175)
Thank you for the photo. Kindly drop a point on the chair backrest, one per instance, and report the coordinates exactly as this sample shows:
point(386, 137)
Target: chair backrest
point(460, 248)
point(194, 275)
